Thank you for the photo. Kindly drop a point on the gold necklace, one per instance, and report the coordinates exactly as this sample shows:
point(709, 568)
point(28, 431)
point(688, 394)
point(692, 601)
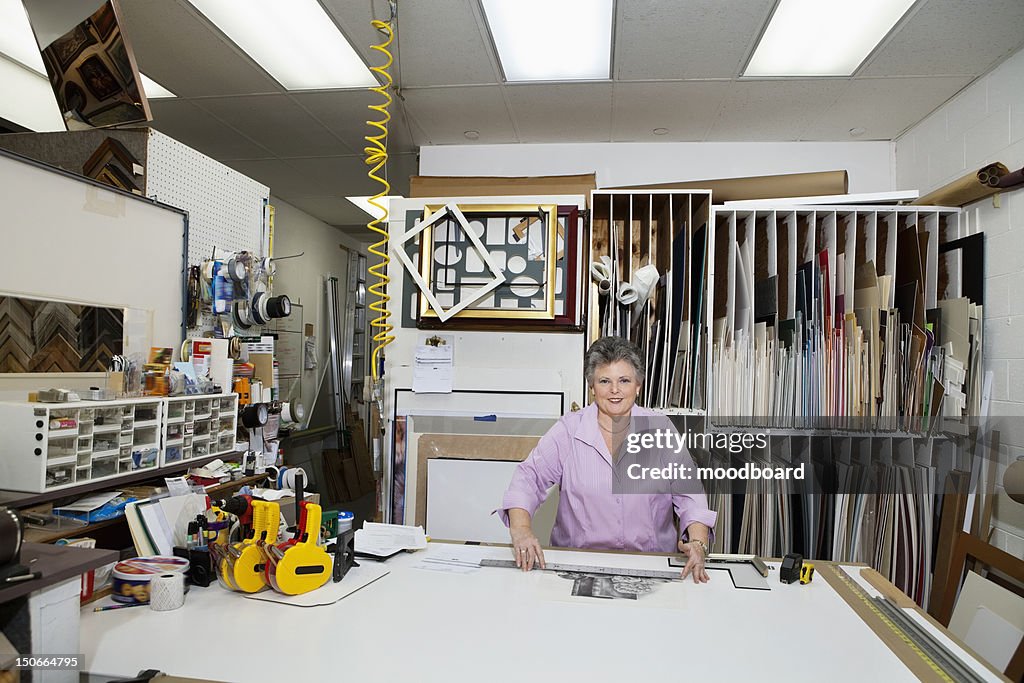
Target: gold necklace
point(612, 431)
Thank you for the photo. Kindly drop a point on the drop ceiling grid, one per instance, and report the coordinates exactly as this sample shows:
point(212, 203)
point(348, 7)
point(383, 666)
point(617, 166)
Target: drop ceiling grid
point(554, 112)
point(951, 37)
point(445, 114)
point(196, 127)
point(884, 107)
point(773, 110)
point(448, 46)
point(683, 40)
point(686, 109)
point(183, 52)
point(345, 113)
point(278, 122)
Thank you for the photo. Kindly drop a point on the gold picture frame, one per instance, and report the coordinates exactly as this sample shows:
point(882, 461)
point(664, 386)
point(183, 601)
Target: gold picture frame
point(485, 211)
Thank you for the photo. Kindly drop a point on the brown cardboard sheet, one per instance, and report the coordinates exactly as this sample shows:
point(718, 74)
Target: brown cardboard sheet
point(969, 188)
point(465, 447)
point(814, 184)
point(486, 186)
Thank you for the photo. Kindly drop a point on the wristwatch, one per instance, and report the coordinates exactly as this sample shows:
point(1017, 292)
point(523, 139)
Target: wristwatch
point(702, 545)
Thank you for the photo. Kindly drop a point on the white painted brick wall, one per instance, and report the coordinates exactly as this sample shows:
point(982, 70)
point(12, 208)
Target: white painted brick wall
point(985, 123)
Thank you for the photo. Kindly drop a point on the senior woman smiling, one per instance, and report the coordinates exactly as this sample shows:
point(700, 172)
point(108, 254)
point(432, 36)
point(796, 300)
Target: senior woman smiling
point(577, 454)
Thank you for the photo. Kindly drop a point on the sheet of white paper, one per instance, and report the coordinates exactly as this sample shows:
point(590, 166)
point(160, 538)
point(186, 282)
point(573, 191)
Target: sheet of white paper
point(158, 527)
point(91, 502)
point(432, 379)
point(177, 486)
point(330, 592)
point(993, 637)
point(387, 539)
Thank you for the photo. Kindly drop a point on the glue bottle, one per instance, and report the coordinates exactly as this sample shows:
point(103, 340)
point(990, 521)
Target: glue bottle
point(345, 520)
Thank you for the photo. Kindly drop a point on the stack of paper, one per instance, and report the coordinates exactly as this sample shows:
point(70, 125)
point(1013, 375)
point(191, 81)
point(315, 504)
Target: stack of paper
point(384, 540)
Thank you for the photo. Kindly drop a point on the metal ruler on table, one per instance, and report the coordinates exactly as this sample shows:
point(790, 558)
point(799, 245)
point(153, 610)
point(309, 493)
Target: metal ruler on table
point(587, 569)
point(939, 659)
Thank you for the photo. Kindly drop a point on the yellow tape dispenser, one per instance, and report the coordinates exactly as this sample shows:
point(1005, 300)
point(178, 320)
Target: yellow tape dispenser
point(300, 566)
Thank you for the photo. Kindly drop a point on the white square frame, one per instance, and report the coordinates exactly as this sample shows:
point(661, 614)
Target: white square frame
point(470, 296)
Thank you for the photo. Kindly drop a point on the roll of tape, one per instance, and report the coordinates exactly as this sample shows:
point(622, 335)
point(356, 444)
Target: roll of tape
point(254, 416)
point(604, 287)
point(292, 412)
point(166, 592)
point(288, 477)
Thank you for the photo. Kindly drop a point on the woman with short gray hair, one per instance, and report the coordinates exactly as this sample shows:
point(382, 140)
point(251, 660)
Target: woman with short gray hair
point(577, 454)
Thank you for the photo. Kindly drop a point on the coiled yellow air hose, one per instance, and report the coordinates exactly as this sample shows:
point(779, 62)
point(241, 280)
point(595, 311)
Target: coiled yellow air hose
point(376, 152)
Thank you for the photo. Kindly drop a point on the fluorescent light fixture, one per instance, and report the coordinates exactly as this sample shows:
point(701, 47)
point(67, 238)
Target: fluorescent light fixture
point(552, 40)
point(16, 39)
point(153, 89)
point(34, 105)
point(372, 211)
point(296, 42)
point(823, 37)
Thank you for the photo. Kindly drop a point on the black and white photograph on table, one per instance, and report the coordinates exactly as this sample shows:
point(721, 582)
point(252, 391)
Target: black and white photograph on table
point(610, 587)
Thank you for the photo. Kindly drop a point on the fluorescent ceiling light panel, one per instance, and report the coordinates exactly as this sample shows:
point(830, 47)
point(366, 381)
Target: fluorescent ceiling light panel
point(552, 40)
point(153, 89)
point(16, 39)
point(823, 37)
point(293, 40)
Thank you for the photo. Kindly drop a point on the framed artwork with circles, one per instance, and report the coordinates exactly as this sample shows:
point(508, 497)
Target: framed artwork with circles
point(534, 246)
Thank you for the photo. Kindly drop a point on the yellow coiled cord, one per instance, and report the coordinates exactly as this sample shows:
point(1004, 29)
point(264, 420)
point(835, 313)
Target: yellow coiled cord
point(376, 157)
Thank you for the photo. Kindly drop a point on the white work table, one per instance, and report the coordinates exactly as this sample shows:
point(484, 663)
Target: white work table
point(501, 625)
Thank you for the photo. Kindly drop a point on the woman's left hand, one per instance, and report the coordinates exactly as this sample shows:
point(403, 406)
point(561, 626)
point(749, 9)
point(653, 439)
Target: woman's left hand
point(694, 563)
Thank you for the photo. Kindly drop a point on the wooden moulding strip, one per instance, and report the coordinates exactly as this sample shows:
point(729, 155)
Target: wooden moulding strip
point(918, 663)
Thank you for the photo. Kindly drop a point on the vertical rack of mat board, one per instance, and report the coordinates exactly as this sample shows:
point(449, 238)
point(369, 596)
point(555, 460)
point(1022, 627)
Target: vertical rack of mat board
point(198, 426)
point(655, 240)
point(832, 331)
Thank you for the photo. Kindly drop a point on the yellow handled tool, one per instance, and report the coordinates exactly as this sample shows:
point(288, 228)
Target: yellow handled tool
point(302, 566)
point(247, 572)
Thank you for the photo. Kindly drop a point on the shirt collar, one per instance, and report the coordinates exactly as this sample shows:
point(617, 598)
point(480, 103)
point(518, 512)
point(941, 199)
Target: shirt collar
point(589, 431)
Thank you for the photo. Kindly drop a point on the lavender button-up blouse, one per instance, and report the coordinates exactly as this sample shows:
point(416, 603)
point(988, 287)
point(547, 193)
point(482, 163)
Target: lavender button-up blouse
point(590, 514)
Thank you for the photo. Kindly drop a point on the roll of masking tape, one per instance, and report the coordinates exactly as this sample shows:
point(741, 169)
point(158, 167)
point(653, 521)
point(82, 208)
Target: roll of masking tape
point(292, 413)
point(166, 592)
point(288, 475)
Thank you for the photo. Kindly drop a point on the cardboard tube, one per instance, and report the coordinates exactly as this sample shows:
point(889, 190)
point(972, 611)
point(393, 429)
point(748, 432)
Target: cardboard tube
point(760, 187)
point(1012, 179)
point(969, 188)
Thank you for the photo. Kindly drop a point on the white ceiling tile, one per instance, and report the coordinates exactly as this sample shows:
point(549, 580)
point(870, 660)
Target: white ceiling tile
point(444, 114)
point(321, 182)
point(345, 114)
point(946, 37)
point(693, 39)
point(883, 107)
point(773, 110)
point(564, 112)
point(685, 109)
point(277, 123)
point(448, 45)
point(181, 51)
point(331, 209)
point(191, 125)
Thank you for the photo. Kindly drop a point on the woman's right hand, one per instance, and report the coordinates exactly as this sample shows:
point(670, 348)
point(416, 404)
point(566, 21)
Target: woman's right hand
point(526, 548)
